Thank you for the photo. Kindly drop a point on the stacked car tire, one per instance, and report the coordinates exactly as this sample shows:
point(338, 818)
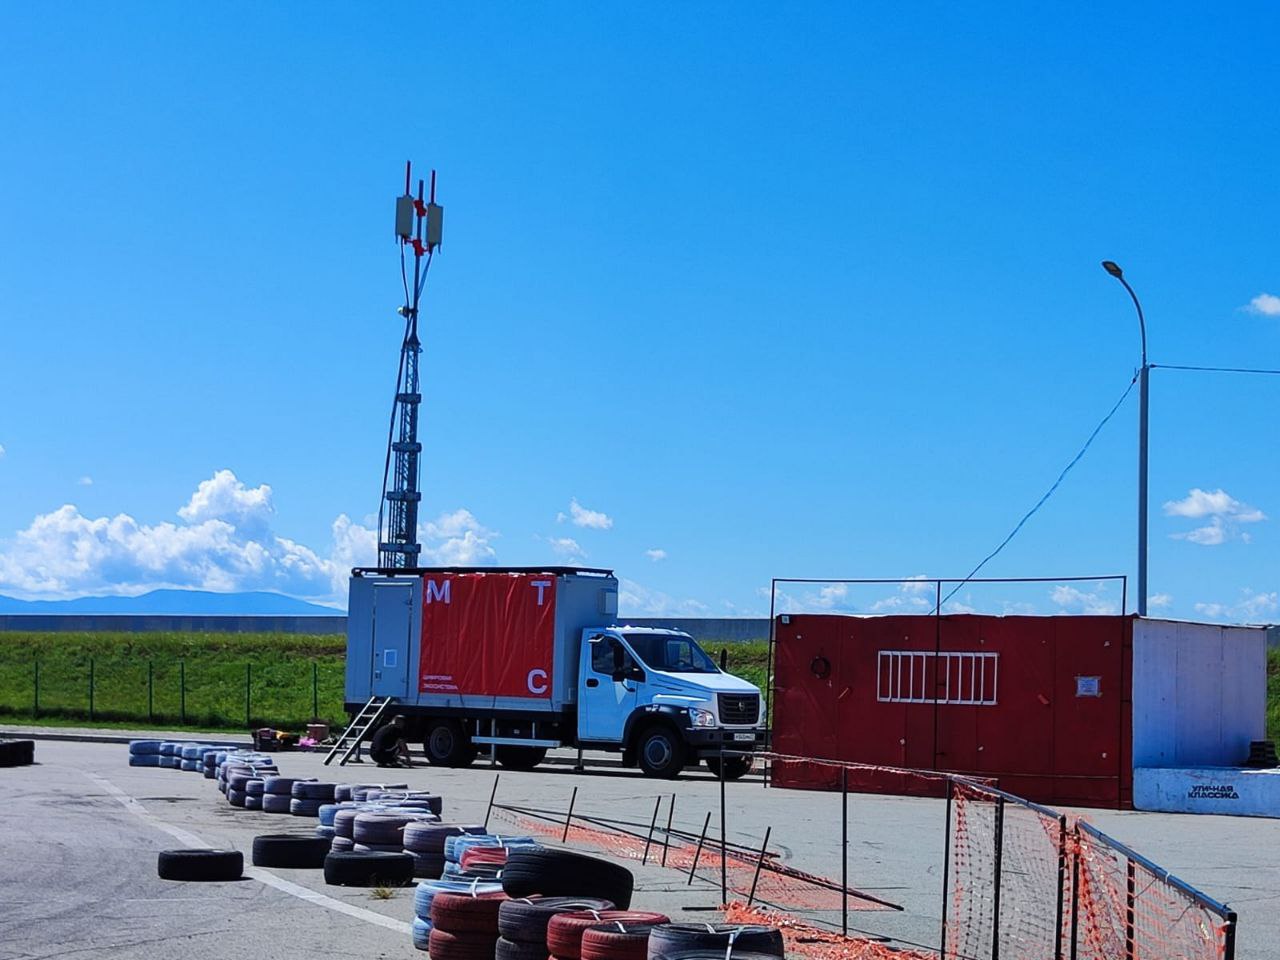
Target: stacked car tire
point(523, 923)
point(17, 753)
point(464, 926)
point(566, 930)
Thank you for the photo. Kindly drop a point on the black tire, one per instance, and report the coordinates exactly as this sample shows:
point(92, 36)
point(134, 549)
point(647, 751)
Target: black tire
point(660, 752)
point(526, 920)
point(518, 950)
point(290, 851)
point(368, 869)
point(427, 866)
point(304, 808)
point(446, 745)
point(562, 873)
point(670, 940)
point(423, 837)
point(200, 865)
point(735, 768)
point(17, 753)
point(520, 758)
point(313, 790)
point(276, 803)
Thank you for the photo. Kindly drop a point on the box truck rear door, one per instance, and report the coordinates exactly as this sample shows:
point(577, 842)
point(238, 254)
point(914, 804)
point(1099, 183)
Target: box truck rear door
point(392, 633)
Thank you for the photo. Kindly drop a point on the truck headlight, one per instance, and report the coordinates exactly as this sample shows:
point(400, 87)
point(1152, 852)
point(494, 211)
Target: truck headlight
point(701, 718)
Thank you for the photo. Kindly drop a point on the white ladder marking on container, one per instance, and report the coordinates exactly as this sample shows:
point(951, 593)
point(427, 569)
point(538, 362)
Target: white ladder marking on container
point(898, 680)
point(257, 873)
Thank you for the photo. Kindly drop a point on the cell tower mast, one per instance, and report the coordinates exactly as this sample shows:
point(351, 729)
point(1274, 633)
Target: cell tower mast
point(398, 546)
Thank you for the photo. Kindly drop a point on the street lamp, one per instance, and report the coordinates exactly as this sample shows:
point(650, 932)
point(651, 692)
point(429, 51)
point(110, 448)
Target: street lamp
point(1113, 268)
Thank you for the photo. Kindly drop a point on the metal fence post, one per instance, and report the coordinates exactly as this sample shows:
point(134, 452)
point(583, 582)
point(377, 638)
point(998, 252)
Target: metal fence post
point(764, 848)
point(151, 688)
point(844, 851)
point(182, 691)
point(35, 703)
point(995, 897)
point(657, 804)
point(724, 842)
point(697, 854)
point(1229, 938)
point(569, 817)
point(1075, 892)
point(1062, 879)
point(946, 869)
point(315, 690)
point(492, 794)
point(1130, 903)
point(666, 838)
point(91, 688)
point(248, 680)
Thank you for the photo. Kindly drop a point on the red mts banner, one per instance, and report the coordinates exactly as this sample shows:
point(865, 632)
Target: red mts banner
point(487, 634)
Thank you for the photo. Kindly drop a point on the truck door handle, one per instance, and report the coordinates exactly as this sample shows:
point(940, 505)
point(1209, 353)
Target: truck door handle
point(592, 682)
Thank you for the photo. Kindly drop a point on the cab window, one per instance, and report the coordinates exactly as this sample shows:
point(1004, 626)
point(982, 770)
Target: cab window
point(602, 655)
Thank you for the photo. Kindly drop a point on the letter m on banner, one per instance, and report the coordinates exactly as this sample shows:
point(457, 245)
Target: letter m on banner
point(437, 591)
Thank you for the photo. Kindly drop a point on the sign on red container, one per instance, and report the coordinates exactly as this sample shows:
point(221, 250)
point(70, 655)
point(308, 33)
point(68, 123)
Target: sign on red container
point(488, 634)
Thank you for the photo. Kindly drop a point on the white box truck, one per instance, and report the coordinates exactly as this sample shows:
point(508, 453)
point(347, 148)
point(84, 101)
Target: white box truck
point(522, 660)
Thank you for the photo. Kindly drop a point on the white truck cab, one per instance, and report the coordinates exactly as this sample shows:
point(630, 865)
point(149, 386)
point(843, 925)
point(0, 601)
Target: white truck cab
point(658, 694)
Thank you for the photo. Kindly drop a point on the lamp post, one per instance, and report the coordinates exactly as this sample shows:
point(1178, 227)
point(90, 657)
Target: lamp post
point(1113, 268)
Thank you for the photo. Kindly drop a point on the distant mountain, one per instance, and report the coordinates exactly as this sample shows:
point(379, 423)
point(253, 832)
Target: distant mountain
point(193, 603)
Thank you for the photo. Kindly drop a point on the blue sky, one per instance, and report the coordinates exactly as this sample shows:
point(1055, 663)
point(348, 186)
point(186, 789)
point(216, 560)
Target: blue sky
point(777, 290)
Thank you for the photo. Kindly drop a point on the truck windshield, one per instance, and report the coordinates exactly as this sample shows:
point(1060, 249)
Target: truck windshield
point(671, 654)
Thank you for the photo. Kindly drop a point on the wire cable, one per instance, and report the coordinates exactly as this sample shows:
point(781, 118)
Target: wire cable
point(1174, 366)
point(1048, 493)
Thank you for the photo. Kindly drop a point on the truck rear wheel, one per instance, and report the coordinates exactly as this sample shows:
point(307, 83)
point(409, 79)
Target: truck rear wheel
point(660, 752)
point(520, 758)
point(446, 745)
point(735, 768)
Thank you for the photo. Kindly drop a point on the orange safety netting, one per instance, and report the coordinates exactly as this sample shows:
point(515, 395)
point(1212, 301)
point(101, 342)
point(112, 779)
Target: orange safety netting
point(813, 943)
point(774, 882)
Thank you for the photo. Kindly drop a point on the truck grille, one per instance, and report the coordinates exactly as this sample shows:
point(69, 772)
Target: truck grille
point(741, 708)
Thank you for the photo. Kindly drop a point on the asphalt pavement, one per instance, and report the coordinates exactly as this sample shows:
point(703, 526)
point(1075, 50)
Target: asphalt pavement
point(81, 830)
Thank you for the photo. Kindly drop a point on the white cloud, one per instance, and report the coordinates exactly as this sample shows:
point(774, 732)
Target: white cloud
point(1159, 601)
point(566, 547)
point(1074, 600)
point(458, 539)
point(1225, 514)
point(637, 600)
point(85, 481)
point(1, 449)
point(582, 517)
point(1266, 304)
point(1250, 608)
point(224, 543)
point(656, 554)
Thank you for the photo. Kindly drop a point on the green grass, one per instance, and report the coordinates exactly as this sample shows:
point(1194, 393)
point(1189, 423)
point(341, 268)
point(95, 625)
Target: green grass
point(196, 680)
point(139, 678)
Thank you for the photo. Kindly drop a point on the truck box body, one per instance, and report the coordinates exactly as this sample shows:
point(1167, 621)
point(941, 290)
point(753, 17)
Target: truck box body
point(468, 640)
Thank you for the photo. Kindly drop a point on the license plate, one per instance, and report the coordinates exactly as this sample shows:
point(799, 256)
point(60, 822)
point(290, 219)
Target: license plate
point(745, 737)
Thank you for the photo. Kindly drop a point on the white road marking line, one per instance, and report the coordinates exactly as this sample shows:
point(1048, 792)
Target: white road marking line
point(257, 873)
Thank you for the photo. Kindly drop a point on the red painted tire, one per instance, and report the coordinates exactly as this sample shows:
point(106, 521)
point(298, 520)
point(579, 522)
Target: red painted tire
point(444, 945)
point(461, 913)
point(625, 941)
point(564, 932)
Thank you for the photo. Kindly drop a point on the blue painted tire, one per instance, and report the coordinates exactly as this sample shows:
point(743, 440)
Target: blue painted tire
point(145, 760)
point(144, 748)
point(421, 933)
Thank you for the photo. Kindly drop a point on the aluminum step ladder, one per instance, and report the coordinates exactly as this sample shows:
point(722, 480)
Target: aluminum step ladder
point(361, 724)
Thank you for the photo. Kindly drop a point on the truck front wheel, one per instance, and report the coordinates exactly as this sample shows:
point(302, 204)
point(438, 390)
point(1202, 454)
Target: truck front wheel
point(660, 752)
point(446, 745)
point(735, 768)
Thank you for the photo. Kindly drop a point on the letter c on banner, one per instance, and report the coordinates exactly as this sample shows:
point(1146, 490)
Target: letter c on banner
point(537, 681)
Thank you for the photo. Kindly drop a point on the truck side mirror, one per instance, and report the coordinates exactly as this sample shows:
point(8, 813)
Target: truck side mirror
point(724, 658)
